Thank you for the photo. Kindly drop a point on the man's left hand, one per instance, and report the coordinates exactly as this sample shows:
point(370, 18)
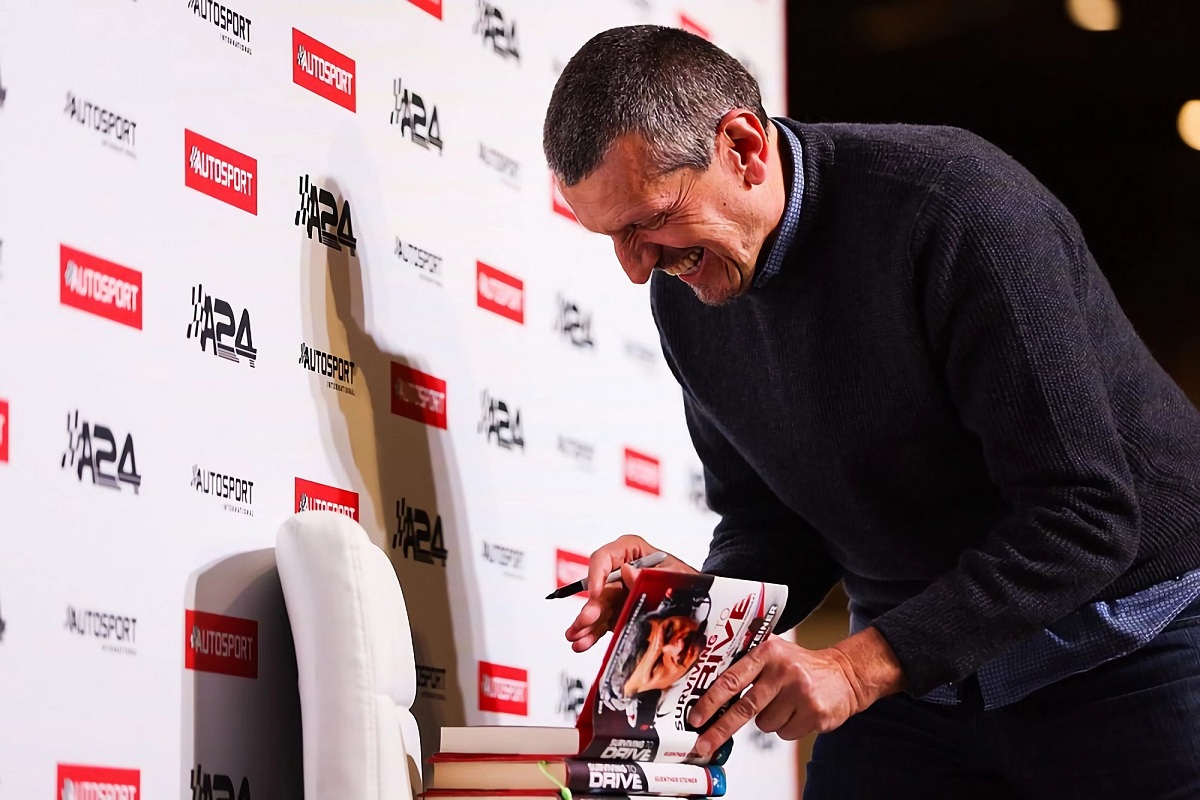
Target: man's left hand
point(794, 691)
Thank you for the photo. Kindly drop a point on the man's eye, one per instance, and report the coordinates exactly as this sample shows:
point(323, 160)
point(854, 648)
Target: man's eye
point(652, 224)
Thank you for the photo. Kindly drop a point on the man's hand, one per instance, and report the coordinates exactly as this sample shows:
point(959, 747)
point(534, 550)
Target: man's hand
point(794, 691)
point(605, 600)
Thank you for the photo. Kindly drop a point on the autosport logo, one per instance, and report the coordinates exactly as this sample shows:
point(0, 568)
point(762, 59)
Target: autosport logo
point(119, 132)
point(220, 172)
point(570, 567)
point(559, 203)
point(691, 26)
point(221, 644)
point(313, 496)
point(77, 782)
point(641, 472)
point(433, 7)
point(503, 689)
point(418, 396)
point(91, 284)
point(500, 293)
point(235, 28)
point(4, 431)
point(322, 70)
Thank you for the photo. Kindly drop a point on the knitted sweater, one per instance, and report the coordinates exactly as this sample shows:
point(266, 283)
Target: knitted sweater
point(936, 400)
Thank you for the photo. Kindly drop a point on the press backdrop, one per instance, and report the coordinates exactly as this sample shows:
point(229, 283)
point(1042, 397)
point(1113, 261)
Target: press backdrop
point(281, 255)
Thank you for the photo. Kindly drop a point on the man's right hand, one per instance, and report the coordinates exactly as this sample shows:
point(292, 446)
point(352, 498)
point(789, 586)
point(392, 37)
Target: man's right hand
point(605, 600)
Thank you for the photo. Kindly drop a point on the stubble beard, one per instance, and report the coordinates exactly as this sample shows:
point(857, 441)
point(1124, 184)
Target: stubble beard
point(727, 292)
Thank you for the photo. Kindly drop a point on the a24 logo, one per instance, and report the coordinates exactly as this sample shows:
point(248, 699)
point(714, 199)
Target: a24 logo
point(319, 212)
point(91, 446)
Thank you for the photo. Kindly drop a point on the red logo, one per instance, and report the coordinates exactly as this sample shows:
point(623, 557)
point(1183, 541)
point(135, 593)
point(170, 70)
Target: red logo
point(313, 496)
point(559, 203)
point(323, 70)
point(4, 431)
point(98, 783)
point(641, 471)
point(418, 396)
point(220, 172)
point(500, 293)
point(100, 287)
point(503, 689)
point(691, 26)
point(431, 6)
point(570, 567)
point(216, 643)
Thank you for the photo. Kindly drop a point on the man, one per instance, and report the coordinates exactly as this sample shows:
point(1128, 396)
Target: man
point(902, 369)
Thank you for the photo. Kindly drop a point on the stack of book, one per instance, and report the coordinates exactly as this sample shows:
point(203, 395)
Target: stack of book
point(676, 634)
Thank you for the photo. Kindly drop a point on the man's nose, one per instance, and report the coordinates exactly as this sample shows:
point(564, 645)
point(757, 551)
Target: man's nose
point(638, 260)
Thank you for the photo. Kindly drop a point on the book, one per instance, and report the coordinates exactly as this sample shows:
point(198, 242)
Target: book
point(581, 777)
point(676, 634)
point(500, 739)
point(509, 794)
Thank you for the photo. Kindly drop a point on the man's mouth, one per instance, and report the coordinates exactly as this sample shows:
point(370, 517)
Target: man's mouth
point(688, 265)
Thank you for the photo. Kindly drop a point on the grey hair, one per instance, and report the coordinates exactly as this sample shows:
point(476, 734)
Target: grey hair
point(670, 86)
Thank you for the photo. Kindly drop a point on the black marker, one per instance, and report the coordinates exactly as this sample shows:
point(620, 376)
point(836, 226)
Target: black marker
point(652, 560)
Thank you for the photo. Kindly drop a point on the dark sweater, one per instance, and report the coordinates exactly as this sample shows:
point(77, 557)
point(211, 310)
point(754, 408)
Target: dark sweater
point(938, 401)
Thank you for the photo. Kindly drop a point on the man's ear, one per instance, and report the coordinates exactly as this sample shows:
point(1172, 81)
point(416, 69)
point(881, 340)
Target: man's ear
point(743, 145)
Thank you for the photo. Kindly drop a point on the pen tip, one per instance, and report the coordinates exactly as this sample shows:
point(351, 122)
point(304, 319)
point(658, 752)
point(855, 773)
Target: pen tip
point(550, 596)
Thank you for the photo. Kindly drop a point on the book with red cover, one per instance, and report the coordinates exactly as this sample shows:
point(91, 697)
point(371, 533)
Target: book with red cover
point(582, 777)
point(676, 634)
point(509, 794)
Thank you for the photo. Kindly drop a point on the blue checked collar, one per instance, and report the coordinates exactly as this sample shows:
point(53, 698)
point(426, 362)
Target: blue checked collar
point(769, 267)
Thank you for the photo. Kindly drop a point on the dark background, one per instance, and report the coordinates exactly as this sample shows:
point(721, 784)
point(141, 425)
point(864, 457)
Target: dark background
point(1091, 114)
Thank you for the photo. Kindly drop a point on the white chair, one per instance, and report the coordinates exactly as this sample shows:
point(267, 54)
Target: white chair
point(354, 656)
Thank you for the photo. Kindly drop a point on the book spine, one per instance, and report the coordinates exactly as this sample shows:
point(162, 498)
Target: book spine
point(666, 780)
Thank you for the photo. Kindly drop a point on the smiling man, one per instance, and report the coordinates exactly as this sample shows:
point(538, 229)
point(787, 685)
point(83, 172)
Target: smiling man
point(902, 369)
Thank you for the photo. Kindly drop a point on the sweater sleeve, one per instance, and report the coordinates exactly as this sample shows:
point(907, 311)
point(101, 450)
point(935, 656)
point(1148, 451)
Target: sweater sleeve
point(1006, 285)
point(758, 538)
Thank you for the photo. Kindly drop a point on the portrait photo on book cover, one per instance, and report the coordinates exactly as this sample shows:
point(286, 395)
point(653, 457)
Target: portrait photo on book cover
point(656, 651)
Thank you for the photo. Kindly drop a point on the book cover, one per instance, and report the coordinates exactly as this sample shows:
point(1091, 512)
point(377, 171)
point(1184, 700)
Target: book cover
point(677, 633)
point(508, 794)
point(583, 778)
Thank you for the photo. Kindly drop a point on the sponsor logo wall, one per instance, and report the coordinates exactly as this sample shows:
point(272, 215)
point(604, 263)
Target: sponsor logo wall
point(476, 382)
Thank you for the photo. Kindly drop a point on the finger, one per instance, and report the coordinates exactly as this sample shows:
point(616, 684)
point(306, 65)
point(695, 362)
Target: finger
point(585, 643)
point(597, 615)
point(588, 616)
point(795, 728)
point(725, 688)
point(738, 715)
point(776, 716)
point(611, 555)
point(599, 566)
point(584, 638)
point(629, 575)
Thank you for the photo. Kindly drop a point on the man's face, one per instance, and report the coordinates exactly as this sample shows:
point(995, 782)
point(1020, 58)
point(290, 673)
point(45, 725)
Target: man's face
point(697, 226)
point(667, 657)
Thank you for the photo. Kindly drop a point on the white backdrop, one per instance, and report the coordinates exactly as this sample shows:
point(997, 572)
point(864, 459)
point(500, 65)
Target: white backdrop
point(187, 360)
